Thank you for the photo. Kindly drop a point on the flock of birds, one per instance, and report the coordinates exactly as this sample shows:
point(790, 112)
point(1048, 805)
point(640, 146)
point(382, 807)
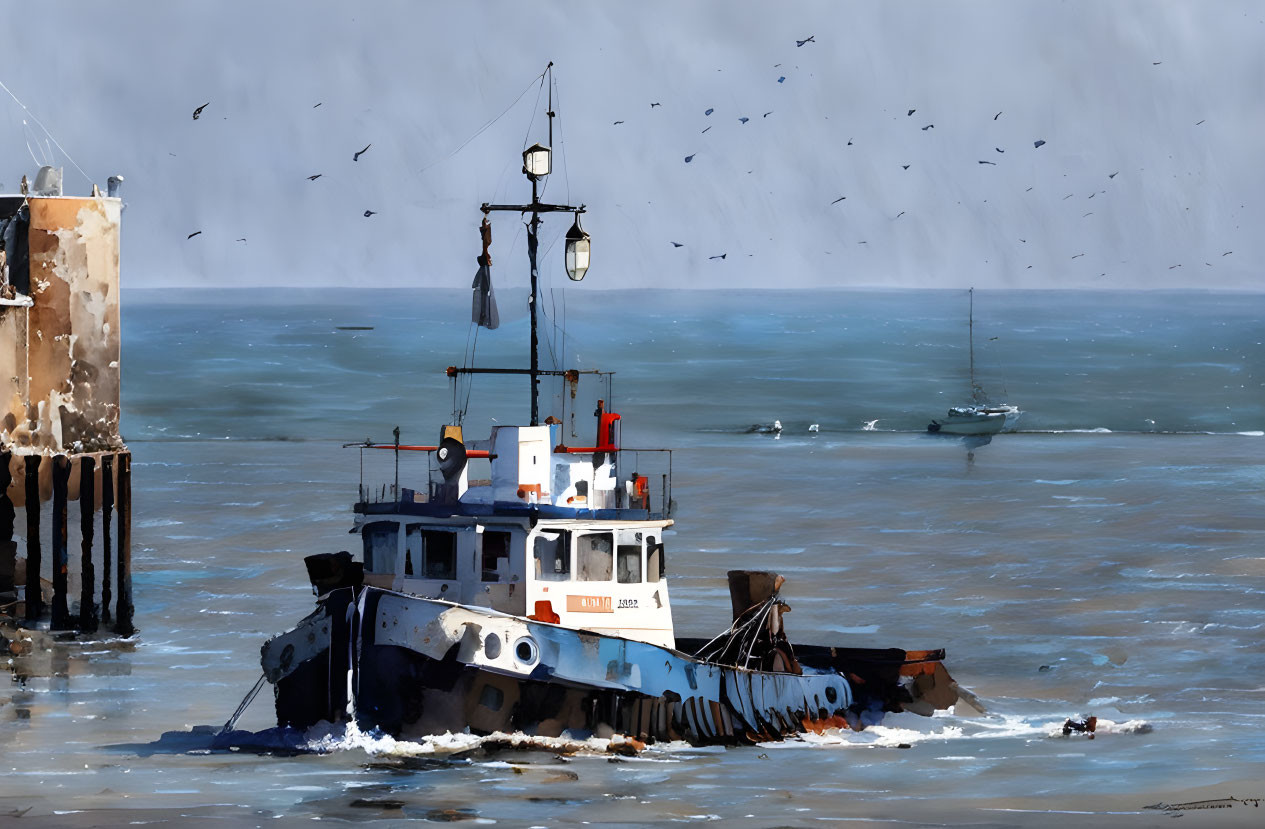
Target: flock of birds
point(1037, 144)
point(197, 113)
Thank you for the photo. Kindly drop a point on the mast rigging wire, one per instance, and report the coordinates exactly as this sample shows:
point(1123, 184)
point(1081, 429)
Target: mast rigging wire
point(481, 129)
point(49, 134)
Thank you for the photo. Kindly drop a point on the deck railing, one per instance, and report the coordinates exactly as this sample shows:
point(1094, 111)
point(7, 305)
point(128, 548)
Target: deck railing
point(412, 474)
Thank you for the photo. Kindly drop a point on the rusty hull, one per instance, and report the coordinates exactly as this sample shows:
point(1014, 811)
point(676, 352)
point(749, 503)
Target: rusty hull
point(418, 666)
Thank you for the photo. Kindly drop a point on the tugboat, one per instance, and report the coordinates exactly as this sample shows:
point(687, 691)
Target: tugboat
point(536, 600)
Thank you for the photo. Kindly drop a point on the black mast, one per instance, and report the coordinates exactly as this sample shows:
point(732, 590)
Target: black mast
point(535, 208)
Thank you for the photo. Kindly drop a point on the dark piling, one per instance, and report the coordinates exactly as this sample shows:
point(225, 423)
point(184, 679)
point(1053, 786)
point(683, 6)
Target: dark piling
point(61, 558)
point(107, 511)
point(8, 547)
point(87, 573)
point(123, 612)
point(34, 599)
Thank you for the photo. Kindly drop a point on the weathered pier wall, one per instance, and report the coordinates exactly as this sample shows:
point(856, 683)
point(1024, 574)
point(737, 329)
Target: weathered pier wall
point(65, 473)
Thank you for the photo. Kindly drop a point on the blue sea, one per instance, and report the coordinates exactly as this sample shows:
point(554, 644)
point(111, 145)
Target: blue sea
point(1105, 559)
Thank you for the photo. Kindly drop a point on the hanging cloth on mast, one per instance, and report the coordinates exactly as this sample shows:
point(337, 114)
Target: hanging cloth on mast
point(484, 310)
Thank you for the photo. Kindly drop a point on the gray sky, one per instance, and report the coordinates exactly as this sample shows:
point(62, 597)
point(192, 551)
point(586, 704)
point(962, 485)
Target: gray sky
point(1111, 87)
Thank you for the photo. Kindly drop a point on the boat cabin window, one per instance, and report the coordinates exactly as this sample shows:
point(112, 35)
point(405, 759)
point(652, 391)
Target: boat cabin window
point(654, 559)
point(412, 548)
point(594, 556)
point(496, 549)
point(552, 554)
point(380, 546)
point(439, 554)
point(628, 557)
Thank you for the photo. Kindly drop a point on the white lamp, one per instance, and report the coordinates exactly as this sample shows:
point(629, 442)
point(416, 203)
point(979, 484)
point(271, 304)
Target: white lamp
point(536, 161)
point(577, 256)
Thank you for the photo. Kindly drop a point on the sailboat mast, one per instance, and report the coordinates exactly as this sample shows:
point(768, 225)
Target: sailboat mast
point(970, 334)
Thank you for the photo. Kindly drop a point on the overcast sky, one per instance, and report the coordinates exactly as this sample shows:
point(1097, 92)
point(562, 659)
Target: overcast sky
point(1167, 97)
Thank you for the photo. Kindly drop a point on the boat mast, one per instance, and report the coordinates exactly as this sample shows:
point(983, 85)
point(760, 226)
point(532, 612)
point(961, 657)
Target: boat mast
point(535, 208)
point(970, 334)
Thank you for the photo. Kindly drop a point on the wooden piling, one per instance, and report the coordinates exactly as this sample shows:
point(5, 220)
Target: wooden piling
point(107, 509)
point(61, 560)
point(34, 599)
point(8, 548)
point(87, 573)
point(123, 611)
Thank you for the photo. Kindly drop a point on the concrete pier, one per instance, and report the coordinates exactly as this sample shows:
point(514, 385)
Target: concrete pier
point(60, 449)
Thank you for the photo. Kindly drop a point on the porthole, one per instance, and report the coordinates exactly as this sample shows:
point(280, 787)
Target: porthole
point(492, 646)
point(525, 651)
point(832, 695)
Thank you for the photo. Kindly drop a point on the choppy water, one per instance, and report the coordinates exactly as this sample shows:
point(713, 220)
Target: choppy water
point(1104, 560)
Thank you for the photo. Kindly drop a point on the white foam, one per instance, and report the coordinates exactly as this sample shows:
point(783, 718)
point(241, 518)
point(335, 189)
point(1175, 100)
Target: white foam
point(325, 738)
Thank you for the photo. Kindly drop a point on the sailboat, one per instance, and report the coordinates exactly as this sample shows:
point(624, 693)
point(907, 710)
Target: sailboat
point(534, 599)
point(981, 416)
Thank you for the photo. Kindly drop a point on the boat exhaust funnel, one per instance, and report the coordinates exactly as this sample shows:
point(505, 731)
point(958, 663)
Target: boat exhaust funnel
point(748, 588)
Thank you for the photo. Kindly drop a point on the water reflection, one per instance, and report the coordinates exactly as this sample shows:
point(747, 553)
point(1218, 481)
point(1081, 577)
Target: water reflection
point(36, 656)
point(973, 442)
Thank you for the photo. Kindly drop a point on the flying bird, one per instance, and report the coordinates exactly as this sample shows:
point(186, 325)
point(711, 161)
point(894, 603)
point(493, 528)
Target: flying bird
point(369, 213)
point(1038, 143)
point(1113, 175)
point(1078, 255)
point(998, 115)
point(1197, 123)
point(722, 256)
point(655, 104)
point(194, 233)
point(743, 120)
point(767, 114)
point(809, 39)
point(709, 111)
point(1090, 213)
point(357, 156)
point(315, 177)
point(198, 111)
point(690, 157)
point(849, 142)
point(1156, 63)
point(994, 163)
point(1227, 253)
point(929, 127)
point(243, 239)
point(904, 166)
point(318, 103)
point(677, 245)
point(705, 129)
point(911, 112)
point(841, 198)
point(999, 149)
point(781, 79)
point(617, 123)
point(901, 213)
